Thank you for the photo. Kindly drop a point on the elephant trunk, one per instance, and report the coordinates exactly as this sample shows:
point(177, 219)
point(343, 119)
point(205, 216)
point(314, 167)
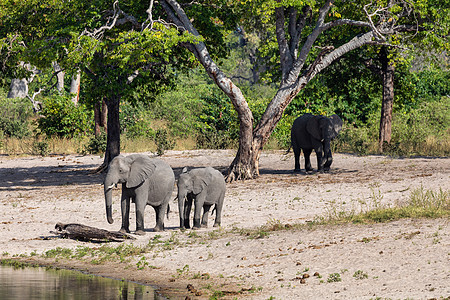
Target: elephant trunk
point(108, 200)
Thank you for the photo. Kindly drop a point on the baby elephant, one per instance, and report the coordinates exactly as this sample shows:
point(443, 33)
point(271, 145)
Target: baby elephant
point(204, 186)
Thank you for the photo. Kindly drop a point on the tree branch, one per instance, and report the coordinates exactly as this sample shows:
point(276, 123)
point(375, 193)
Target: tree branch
point(285, 53)
point(312, 37)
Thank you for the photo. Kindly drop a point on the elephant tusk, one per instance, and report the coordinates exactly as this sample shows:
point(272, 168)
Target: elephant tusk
point(111, 186)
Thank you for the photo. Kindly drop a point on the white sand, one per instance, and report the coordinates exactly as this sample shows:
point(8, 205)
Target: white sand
point(397, 260)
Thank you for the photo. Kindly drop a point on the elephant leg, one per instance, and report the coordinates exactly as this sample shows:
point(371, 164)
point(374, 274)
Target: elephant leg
point(320, 160)
point(219, 206)
point(297, 151)
point(187, 212)
point(206, 209)
point(307, 154)
point(328, 161)
point(198, 205)
point(140, 207)
point(159, 212)
point(125, 208)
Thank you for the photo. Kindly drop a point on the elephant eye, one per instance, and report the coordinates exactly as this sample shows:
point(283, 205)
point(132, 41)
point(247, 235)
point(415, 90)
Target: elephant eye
point(120, 170)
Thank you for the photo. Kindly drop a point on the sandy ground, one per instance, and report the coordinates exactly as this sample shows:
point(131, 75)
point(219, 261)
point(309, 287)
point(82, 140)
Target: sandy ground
point(396, 260)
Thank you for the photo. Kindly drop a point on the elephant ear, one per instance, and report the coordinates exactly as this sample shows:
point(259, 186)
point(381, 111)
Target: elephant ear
point(199, 183)
point(313, 128)
point(337, 125)
point(142, 167)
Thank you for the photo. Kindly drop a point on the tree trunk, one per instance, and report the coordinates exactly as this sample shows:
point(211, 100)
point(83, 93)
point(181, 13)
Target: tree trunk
point(100, 117)
point(75, 87)
point(251, 142)
point(88, 233)
point(245, 164)
point(113, 134)
point(59, 76)
point(18, 88)
point(387, 69)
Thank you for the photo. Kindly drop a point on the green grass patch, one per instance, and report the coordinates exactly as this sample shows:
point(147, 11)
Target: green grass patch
point(421, 204)
point(16, 264)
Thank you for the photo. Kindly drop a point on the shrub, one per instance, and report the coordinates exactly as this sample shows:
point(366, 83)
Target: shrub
point(97, 144)
point(140, 129)
point(422, 131)
point(14, 116)
point(356, 140)
point(162, 141)
point(218, 123)
point(62, 118)
point(40, 148)
point(134, 121)
point(282, 132)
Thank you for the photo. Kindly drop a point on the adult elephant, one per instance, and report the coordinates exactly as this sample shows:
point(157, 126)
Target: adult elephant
point(145, 181)
point(204, 186)
point(314, 132)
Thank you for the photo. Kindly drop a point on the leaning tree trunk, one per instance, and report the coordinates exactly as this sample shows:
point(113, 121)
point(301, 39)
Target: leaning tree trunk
point(251, 141)
point(387, 70)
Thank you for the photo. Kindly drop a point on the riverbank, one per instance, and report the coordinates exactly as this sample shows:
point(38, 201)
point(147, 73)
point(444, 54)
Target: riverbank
point(260, 251)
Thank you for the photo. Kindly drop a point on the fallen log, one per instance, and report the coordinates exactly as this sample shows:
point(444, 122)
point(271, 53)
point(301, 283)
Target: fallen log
point(88, 233)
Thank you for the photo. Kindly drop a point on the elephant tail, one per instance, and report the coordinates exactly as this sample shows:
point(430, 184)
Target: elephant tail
point(168, 211)
point(288, 150)
point(212, 212)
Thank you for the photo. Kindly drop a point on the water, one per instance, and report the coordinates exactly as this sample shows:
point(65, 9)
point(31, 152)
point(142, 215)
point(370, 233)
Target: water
point(39, 283)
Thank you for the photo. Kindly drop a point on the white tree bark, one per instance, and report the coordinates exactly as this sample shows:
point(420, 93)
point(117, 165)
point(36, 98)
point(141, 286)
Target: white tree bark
point(18, 88)
point(59, 75)
point(75, 87)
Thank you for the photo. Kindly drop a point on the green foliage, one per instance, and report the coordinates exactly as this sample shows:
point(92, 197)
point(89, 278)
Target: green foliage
point(217, 123)
point(432, 84)
point(282, 132)
point(420, 204)
point(96, 144)
point(163, 141)
point(360, 140)
point(14, 117)
point(135, 121)
point(61, 117)
point(415, 131)
point(40, 148)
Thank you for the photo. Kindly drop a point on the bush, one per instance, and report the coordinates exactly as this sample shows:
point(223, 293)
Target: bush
point(282, 132)
point(356, 140)
point(40, 148)
point(97, 144)
point(218, 124)
point(162, 141)
point(422, 131)
point(14, 116)
point(62, 118)
point(134, 121)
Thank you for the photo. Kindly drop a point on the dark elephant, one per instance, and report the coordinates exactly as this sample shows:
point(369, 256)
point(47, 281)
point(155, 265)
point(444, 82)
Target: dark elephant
point(314, 132)
point(205, 187)
point(145, 181)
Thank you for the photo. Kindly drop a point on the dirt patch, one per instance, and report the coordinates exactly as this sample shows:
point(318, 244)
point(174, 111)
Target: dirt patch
point(402, 259)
